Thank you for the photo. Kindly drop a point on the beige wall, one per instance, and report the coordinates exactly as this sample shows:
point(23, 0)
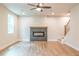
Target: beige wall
point(5, 38)
point(55, 26)
point(72, 38)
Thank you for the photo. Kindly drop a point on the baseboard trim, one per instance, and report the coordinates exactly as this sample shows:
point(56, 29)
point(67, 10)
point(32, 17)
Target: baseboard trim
point(24, 40)
point(52, 40)
point(2, 49)
point(71, 46)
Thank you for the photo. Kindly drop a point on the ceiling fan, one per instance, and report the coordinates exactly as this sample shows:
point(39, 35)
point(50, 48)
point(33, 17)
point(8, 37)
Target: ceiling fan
point(39, 7)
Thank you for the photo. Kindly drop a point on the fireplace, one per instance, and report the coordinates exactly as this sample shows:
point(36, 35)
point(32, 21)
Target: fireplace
point(38, 33)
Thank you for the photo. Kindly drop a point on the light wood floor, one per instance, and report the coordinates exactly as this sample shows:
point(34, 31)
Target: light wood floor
point(39, 48)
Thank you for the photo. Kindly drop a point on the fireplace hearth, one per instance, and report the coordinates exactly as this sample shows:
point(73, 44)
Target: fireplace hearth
point(38, 33)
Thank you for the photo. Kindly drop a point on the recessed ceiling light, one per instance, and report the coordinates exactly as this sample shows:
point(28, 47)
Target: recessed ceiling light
point(53, 13)
point(23, 13)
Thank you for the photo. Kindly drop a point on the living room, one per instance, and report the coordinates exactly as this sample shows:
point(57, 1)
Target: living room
point(24, 25)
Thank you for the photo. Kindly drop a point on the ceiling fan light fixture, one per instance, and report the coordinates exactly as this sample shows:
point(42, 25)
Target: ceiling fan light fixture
point(38, 9)
point(40, 4)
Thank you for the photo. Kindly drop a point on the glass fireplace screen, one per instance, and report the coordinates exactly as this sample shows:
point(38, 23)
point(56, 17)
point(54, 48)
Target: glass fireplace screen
point(38, 34)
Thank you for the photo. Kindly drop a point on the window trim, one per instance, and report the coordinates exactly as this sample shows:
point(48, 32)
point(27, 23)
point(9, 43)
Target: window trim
point(10, 23)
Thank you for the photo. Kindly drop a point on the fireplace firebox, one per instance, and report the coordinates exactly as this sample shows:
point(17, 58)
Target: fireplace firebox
point(38, 33)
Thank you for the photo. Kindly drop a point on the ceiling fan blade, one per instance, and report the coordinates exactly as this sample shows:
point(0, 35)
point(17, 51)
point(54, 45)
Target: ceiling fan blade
point(31, 4)
point(32, 8)
point(46, 7)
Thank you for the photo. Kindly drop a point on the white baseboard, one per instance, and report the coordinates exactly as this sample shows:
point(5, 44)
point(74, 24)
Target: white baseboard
point(7, 45)
point(25, 40)
point(28, 40)
point(71, 46)
point(52, 40)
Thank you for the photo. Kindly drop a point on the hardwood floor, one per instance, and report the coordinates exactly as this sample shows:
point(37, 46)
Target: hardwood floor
point(39, 48)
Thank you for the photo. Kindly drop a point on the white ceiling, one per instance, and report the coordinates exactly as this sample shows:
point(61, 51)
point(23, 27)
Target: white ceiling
point(60, 9)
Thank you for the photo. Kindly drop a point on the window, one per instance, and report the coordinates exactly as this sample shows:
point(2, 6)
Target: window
point(10, 24)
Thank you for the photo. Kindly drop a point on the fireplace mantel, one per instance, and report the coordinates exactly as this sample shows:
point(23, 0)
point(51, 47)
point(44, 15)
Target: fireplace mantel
point(39, 26)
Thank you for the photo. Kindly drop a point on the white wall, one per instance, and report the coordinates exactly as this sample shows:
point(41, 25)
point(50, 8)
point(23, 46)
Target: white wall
point(5, 38)
point(72, 38)
point(55, 26)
